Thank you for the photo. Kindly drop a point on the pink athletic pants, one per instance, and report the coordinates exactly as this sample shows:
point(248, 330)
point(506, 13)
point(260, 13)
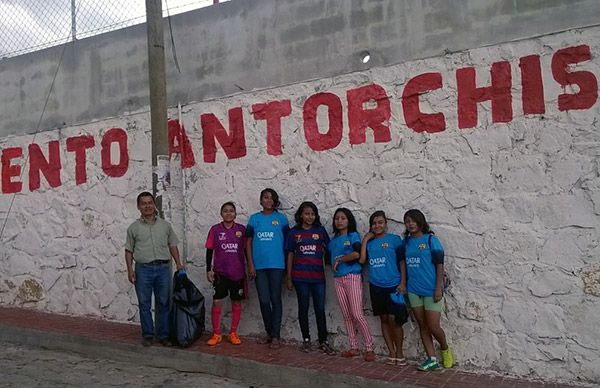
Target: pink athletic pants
point(349, 290)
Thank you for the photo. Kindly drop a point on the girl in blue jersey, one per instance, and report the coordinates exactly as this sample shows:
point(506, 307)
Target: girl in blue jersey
point(265, 237)
point(423, 257)
point(306, 243)
point(344, 250)
point(380, 249)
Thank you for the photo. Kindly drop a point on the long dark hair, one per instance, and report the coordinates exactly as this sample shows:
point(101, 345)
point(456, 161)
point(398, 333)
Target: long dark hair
point(419, 218)
point(298, 215)
point(274, 195)
point(349, 216)
point(378, 213)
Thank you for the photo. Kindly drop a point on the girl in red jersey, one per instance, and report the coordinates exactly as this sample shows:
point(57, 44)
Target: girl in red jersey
point(226, 270)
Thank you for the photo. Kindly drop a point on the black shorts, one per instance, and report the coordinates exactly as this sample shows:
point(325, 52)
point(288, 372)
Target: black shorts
point(224, 286)
point(382, 304)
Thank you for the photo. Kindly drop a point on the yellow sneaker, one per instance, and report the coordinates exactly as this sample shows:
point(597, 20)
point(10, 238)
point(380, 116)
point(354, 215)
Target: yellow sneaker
point(214, 340)
point(447, 359)
point(234, 339)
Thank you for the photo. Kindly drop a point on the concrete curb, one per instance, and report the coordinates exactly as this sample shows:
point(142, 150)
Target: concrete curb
point(188, 361)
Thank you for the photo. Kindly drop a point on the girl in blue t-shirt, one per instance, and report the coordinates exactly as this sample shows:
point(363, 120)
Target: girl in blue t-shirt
point(344, 250)
point(265, 237)
point(306, 244)
point(380, 250)
point(423, 257)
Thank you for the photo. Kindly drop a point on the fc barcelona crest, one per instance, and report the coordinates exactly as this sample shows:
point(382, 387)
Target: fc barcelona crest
point(384, 245)
point(315, 236)
point(422, 246)
point(274, 222)
point(238, 234)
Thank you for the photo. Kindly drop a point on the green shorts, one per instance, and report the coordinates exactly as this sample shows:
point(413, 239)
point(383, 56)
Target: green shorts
point(426, 302)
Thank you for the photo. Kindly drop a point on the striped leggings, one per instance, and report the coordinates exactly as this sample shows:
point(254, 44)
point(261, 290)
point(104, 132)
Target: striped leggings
point(349, 290)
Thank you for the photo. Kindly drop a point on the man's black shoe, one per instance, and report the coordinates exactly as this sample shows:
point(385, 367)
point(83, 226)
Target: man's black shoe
point(147, 342)
point(165, 342)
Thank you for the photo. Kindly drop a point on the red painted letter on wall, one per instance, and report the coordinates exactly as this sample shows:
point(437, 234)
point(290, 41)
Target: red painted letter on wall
point(415, 119)
point(499, 92)
point(322, 141)
point(119, 136)
point(359, 118)
point(585, 80)
point(533, 86)
point(233, 143)
point(273, 112)
point(79, 145)
point(180, 144)
point(50, 168)
point(9, 171)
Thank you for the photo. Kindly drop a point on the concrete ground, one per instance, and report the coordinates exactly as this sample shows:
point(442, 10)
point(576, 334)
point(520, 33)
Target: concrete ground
point(28, 366)
point(250, 363)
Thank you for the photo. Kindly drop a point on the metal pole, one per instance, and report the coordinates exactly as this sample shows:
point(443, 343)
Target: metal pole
point(73, 21)
point(158, 101)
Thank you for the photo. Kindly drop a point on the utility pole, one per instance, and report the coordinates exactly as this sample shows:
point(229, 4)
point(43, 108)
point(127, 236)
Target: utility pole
point(158, 109)
point(158, 101)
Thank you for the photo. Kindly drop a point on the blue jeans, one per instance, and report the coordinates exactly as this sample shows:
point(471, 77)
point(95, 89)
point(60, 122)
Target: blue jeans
point(304, 290)
point(268, 287)
point(153, 279)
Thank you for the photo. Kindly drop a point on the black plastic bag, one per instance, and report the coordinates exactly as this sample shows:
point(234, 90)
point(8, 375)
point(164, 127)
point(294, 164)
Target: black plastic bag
point(187, 312)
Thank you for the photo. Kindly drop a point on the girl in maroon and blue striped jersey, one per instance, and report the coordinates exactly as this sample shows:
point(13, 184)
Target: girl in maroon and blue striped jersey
point(306, 244)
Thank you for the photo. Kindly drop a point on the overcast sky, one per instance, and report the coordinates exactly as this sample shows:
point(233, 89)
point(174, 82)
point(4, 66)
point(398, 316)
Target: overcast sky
point(34, 24)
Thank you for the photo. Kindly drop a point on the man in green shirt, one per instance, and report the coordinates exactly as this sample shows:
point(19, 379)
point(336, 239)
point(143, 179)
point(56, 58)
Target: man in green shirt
point(151, 242)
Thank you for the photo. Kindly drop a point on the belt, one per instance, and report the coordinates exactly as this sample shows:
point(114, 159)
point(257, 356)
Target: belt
point(158, 262)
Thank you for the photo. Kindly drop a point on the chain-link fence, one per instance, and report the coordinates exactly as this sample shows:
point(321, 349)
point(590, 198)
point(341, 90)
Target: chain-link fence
point(30, 25)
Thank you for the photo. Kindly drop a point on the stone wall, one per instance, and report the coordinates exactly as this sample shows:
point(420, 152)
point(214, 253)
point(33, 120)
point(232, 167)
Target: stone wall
point(62, 246)
point(514, 199)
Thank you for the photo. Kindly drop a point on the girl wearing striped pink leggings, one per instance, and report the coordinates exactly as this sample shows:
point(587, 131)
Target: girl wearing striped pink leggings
point(344, 251)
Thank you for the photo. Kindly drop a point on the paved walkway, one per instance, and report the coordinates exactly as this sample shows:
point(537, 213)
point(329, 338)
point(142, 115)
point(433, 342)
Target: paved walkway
point(249, 362)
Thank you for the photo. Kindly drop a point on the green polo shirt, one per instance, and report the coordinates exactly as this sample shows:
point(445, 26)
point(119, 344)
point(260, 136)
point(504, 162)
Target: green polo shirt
point(150, 242)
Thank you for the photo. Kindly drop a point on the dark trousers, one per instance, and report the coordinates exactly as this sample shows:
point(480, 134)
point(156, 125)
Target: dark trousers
point(304, 291)
point(268, 287)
